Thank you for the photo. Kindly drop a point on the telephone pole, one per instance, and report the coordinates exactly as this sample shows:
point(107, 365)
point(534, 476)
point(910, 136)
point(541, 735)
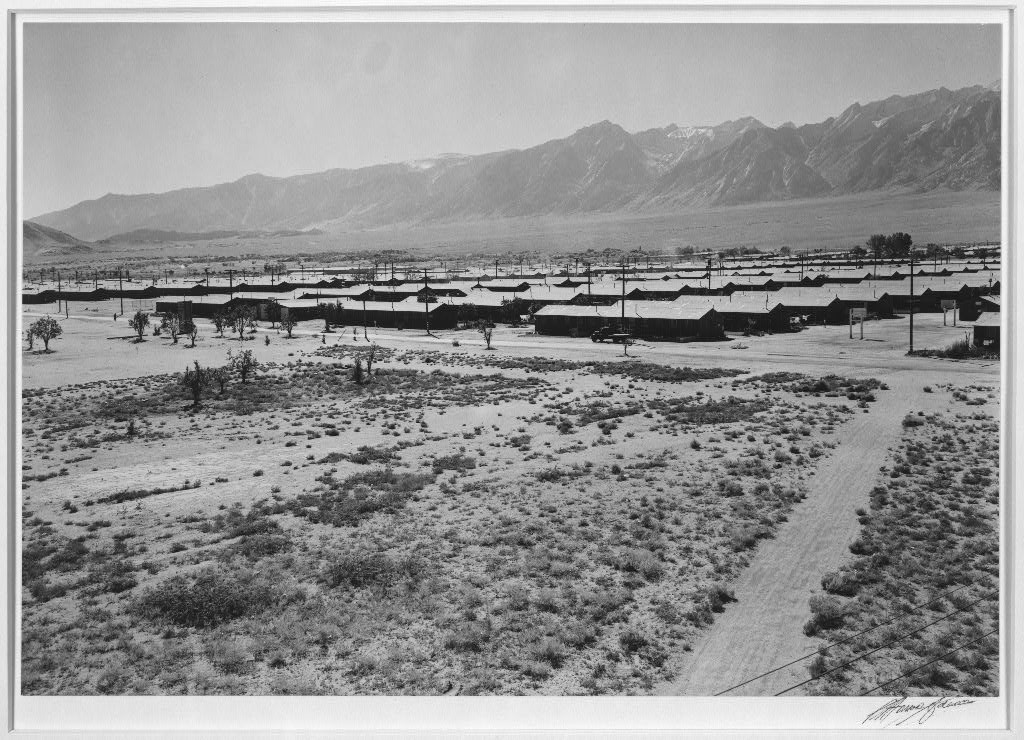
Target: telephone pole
point(625, 340)
point(911, 300)
point(120, 290)
point(426, 303)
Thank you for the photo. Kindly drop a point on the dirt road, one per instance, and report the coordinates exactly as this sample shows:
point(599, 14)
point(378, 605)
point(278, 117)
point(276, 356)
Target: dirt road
point(763, 628)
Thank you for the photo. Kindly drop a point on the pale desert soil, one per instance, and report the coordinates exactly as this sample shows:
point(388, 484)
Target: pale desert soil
point(763, 629)
point(621, 517)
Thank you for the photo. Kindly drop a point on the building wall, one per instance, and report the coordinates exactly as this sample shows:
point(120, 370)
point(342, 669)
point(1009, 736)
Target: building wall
point(660, 328)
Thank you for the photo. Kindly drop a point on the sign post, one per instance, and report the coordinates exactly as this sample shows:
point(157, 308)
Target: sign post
point(947, 305)
point(860, 314)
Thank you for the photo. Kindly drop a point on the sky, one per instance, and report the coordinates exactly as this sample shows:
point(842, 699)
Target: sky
point(142, 108)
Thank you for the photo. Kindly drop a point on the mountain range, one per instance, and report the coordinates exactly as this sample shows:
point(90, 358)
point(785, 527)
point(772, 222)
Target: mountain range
point(41, 240)
point(940, 139)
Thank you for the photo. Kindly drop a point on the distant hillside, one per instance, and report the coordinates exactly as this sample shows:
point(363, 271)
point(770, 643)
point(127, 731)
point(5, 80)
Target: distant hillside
point(936, 140)
point(159, 236)
point(41, 240)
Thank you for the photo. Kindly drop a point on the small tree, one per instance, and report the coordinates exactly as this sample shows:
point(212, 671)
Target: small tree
point(487, 330)
point(172, 324)
point(509, 313)
point(46, 329)
point(139, 322)
point(876, 245)
point(244, 363)
point(31, 339)
point(220, 376)
point(193, 332)
point(195, 381)
point(288, 325)
point(220, 322)
point(357, 371)
point(898, 245)
point(242, 318)
point(370, 357)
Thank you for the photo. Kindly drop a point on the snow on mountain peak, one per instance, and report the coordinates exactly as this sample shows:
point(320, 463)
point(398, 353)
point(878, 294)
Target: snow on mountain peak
point(689, 132)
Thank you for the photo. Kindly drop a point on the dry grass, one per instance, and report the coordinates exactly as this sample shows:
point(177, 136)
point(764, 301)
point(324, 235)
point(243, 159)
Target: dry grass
point(424, 532)
point(927, 552)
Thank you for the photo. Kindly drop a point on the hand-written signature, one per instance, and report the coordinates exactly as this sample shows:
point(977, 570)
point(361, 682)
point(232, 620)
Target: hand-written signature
point(899, 711)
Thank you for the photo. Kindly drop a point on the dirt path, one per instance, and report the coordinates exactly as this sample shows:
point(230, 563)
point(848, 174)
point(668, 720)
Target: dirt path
point(763, 629)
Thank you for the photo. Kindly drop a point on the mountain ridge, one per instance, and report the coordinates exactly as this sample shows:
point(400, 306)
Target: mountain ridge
point(934, 139)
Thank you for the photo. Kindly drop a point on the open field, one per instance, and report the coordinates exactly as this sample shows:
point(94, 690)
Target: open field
point(825, 223)
point(548, 517)
point(922, 593)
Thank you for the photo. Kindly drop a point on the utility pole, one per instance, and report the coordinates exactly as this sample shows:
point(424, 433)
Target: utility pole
point(426, 303)
point(589, 283)
point(231, 282)
point(911, 300)
point(625, 340)
point(120, 290)
point(58, 292)
point(365, 335)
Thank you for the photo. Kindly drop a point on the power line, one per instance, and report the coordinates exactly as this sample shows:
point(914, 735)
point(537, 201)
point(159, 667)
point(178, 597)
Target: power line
point(882, 647)
point(935, 660)
point(844, 640)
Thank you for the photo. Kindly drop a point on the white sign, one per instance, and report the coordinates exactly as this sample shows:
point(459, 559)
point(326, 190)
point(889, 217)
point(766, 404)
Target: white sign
point(858, 313)
point(946, 305)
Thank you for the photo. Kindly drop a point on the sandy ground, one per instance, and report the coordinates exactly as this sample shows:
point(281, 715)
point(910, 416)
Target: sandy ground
point(763, 629)
point(817, 349)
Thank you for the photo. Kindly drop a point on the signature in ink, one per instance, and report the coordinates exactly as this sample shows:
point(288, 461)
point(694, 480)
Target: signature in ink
point(899, 711)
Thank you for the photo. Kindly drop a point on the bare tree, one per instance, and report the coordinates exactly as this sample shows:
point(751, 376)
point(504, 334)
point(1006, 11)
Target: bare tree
point(487, 330)
point(46, 329)
point(288, 324)
point(371, 355)
point(220, 376)
point(220, 322)
point(139, 322)
point(244, 363)
point(174, 327)
point(195, 381)
point(242, 318)
point(31, 339)
point(193, 332)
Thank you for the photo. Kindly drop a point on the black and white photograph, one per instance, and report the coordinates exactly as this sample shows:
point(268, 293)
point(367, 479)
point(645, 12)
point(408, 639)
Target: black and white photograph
point(490, 358)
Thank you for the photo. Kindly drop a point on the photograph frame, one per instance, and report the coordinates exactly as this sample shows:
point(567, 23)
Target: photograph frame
point(605, 716)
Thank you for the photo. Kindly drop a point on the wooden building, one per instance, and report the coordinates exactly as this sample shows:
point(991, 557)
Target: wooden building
point(644, 319)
